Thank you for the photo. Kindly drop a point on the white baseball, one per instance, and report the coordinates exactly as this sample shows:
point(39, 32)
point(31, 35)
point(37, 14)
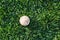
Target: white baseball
point(24, 20)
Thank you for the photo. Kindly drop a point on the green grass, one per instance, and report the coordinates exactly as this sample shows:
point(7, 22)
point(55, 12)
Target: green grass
point(44, 16)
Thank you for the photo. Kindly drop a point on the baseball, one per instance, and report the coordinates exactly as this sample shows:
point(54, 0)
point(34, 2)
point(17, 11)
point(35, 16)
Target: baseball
point(24, 20)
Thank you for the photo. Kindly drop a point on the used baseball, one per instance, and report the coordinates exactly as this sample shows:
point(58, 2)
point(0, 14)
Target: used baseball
point(24, 20)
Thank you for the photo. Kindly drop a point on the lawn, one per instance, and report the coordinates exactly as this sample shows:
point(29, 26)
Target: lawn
point(44, 19)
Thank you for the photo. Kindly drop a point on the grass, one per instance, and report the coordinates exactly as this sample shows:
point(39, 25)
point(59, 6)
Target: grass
point(44, 16)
